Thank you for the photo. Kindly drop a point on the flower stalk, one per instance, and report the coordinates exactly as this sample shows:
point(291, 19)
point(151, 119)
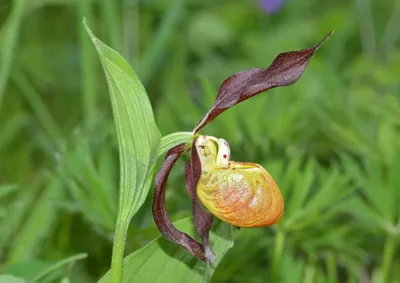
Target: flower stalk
point(117, 259)
point(388, 252)
point(280, 237)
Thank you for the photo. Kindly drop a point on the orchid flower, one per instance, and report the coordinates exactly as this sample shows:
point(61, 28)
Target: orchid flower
point(239, 193)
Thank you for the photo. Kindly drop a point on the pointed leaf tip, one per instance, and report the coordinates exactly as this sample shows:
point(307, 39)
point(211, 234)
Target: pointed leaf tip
point(137, 132)
point(327, 36)
point(284, 70)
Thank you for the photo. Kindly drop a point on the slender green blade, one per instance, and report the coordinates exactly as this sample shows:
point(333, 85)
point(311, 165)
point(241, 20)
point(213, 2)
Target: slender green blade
point(39, 224)
point(9, 42)
point(58, 265)
point(158, 44)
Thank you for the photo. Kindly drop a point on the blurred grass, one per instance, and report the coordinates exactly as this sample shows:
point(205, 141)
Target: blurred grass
point(9, 34)
point(331, 140)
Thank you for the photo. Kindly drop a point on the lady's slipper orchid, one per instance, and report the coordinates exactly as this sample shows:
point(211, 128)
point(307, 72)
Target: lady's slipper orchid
point(242, 194)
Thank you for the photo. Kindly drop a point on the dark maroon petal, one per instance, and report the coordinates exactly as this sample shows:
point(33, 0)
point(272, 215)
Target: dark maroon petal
point(285, 70)
point(202, 219)
point(203, 222)
point(160, 214)
point(192, 171)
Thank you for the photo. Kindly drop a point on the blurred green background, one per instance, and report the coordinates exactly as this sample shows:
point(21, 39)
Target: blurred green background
point(332, 140)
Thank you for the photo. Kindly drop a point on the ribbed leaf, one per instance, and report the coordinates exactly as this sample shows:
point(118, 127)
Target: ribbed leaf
point(138, 135)
point(163, 261)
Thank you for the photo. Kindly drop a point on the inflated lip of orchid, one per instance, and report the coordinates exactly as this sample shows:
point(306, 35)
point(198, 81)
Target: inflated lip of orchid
point(242, 194)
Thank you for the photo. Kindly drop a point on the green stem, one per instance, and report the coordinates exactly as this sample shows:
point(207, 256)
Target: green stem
point(131, 32)
point(388, 252)
point(309, 273)
point(278, 250)
point(332, 267)
point(112, 23)
point(160, 40)
point(118, 250)
point(87, 66)
point(367, 30)
point(391, 33)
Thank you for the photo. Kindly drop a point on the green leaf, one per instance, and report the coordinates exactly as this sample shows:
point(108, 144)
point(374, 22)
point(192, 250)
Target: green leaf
point(11, 129)
point(138, 135)
point(39, 224)
point(44, 116)
point(296, 267)
point(26, 269)
point(11, 279)
point(173, 140)
point(163, 261)
point(18, 209)
point(59, 264)
point(90, 186)
point(37, 271)
point(6, 189)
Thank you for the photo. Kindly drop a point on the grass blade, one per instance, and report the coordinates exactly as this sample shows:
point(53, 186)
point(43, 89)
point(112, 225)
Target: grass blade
point(160, 40)
point(59, 264)
point(9, 42)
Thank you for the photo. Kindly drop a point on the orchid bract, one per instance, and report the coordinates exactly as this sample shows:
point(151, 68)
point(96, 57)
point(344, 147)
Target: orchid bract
point(240, 193)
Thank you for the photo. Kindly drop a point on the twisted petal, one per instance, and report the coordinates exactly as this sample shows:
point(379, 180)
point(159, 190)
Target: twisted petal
point(202, 219)
point(160, 214)
point(285, 70)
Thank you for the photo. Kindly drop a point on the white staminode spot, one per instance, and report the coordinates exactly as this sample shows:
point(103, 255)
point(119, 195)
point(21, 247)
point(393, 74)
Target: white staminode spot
point(213, 152)
point(224, 154)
